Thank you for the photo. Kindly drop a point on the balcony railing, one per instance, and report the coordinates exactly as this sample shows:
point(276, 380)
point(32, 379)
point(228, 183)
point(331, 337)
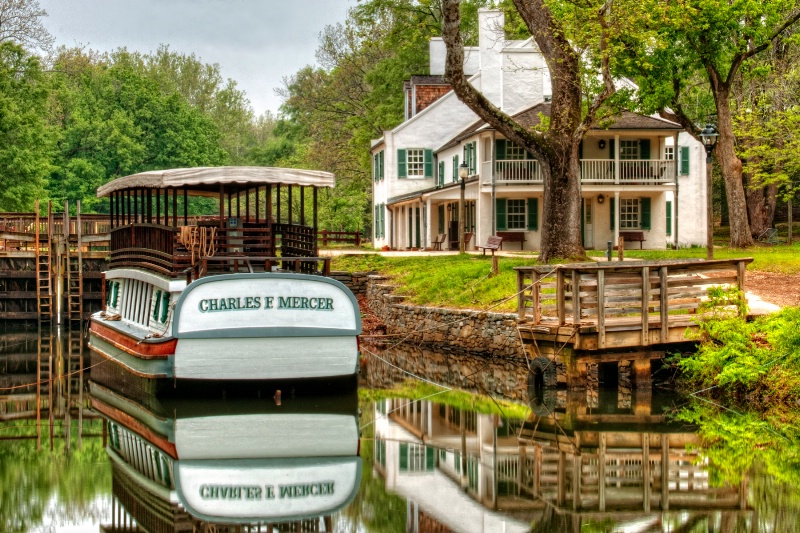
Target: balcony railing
point(600, 171)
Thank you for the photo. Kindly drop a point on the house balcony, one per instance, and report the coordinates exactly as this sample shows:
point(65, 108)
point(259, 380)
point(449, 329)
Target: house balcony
point(593, 171)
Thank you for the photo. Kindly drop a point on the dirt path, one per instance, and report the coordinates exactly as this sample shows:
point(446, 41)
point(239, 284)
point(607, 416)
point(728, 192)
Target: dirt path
point(779, 289)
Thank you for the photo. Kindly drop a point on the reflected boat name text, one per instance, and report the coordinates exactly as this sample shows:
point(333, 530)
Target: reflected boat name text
point(255, 492)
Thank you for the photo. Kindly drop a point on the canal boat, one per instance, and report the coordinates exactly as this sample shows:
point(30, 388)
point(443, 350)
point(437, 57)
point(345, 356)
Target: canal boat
point(236, 293)
point(232, 461)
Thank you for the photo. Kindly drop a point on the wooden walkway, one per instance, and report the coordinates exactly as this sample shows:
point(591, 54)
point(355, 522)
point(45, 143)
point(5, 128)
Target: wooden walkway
point(588, 313)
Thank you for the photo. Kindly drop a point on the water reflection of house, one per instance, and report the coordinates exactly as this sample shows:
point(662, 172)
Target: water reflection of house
point(475, 472)
point(254, 465)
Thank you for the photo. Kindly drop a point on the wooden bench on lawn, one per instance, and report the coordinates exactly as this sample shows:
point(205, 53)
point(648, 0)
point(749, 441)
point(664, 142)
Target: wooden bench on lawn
point(512, 236)
point(494, 242)
point(633, 236)
point(438, 241)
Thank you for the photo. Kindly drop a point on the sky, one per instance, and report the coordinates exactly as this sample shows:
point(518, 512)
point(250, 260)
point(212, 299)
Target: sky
point(255, 42)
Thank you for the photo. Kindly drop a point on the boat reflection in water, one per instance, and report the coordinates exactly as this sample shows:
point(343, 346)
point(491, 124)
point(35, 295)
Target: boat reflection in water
point(566, 467)
point(194, 464)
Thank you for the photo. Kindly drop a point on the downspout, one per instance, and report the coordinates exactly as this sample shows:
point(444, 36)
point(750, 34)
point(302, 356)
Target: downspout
point(677, 176)
point(494, 166)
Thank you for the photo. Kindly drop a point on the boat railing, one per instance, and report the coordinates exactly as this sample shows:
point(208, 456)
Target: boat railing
point(248, 263)
point(177, 251)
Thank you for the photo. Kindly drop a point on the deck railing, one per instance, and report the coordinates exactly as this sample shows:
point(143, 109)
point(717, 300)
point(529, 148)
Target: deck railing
point(608, 295)
point(599, 171)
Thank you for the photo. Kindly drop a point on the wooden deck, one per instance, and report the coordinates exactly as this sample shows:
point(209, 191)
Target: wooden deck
point(601, 306)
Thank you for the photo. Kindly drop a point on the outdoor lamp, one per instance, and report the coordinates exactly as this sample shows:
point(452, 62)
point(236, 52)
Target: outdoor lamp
point(463, 171)
point(709, 137)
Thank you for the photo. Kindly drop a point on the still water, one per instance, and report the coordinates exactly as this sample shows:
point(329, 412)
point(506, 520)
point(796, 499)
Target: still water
point(82, 455)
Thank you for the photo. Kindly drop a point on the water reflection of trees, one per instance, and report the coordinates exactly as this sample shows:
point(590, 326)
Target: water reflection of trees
point(762, 448)
point(49, 486)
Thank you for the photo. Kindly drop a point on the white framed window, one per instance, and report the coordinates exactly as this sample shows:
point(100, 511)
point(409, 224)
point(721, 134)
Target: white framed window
point(669, 153)
point(516, 214)
point(515, 152)
point(415, 159)
point(629, 212)
point(628, 150)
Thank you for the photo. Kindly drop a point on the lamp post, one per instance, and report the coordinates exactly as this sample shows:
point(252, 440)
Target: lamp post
point(709, 136)
point(463, 172)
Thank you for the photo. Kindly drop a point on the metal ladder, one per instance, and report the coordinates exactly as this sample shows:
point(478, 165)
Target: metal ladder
point(44, 271)
point(74, 272)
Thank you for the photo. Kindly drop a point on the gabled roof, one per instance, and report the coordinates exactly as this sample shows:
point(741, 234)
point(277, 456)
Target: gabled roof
point(530, 118)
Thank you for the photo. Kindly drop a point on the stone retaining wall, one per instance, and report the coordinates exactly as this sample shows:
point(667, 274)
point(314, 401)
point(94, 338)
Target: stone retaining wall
point(456, 329)
point(355, 281)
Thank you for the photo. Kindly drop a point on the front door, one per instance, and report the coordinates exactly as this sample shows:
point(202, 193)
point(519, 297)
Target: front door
point(588, 229)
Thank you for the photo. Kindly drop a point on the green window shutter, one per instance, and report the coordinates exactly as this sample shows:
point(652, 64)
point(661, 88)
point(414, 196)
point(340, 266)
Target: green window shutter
point(441, 173)
point(380, 173)
point(473, 164)
point(156, 305)
point(645, 204)
point(533, 214)
point(428, 159)
point(611, 150)
point(382, 212)
point(116, 294)
point(375, 223)
point(684, 160)
point(583, 222)
point(500, 211)
point(375, 165)
point(430, 458)
point(403, 456)
point(109, 292)
point(644, 149)
point(401, 163)
point(455, 167)
point(612, 210)
point(669, 217)
point(441, 218)
point(500, 149)
point(164, 307)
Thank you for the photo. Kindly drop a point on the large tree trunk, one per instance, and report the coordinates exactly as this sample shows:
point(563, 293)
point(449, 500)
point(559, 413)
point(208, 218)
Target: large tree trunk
point(561, 212)
point(761, 203)
point(731, 167)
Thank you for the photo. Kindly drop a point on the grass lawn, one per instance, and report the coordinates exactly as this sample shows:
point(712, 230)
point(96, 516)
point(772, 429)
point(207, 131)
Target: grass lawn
point(463, 281)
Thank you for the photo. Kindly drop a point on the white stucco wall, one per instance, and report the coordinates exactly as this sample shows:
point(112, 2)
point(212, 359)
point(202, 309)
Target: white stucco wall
point(522, 77)
point(692, 220)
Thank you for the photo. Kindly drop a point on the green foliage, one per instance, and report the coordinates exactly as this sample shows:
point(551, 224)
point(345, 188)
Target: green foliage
point(25, 138)
point(753, 362)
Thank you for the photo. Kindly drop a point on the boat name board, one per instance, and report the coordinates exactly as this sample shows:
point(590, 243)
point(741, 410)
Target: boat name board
point(267, 492)
point(253, 303)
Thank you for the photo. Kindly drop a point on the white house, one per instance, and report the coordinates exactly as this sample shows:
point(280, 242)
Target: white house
point(638, 173)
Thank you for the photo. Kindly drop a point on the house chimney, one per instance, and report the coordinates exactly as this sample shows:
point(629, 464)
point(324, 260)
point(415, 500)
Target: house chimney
point(491, 40)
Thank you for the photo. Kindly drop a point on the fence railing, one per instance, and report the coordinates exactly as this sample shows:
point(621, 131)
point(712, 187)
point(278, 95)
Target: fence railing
point(602, 171)
point(326, 237)
point(598, 293)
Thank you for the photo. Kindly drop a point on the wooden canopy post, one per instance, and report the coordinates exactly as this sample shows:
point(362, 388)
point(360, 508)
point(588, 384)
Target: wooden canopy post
point(289, 207)
point(302, 205)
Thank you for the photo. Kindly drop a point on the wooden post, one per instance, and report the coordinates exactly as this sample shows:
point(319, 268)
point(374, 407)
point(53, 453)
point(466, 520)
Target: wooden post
point(664, 304)
point(646, 471)
point(601, 309)
point(521, 297)
point(621, 248)
point(601, 473)
point(324, 237)
point(665, 471)
point(560, 296)
point(536, 296)
point(577, 474)
point(576, 299)
point(645, 306)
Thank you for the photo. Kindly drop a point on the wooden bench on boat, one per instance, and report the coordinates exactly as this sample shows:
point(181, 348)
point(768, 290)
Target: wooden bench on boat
point(512, 236)
point(494, 242)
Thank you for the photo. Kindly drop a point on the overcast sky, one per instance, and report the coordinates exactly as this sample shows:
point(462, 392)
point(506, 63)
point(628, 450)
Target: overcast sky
point(255, 42)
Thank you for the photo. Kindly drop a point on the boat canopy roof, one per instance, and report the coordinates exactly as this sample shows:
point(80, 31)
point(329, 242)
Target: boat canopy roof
point(205, 180)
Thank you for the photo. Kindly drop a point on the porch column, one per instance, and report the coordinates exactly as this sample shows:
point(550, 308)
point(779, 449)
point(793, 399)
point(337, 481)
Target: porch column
point(616, 161)
point(426, 223)
point(616, 215)
point(676, 168)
